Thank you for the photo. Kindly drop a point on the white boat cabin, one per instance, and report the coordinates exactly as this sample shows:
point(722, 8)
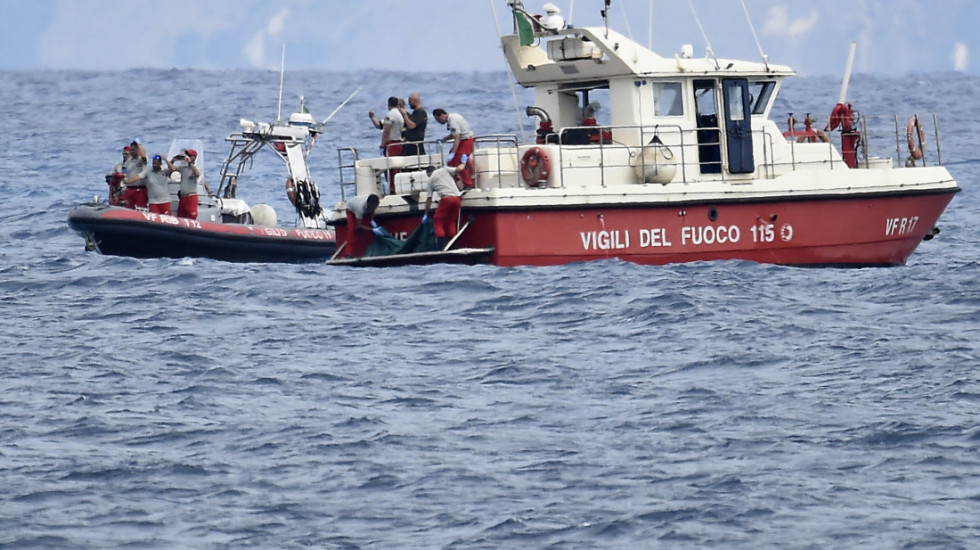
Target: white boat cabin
point(610, 113)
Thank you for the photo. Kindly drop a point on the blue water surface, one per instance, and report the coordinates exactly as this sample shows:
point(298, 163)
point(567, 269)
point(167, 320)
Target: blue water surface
point(167, 403)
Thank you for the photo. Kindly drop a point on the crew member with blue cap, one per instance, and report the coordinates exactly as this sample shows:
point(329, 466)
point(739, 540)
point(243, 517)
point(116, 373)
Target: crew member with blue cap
point(157, 182)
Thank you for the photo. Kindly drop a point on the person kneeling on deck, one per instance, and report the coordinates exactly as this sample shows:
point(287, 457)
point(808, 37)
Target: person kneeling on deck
point(443, 182)
point(361, 227)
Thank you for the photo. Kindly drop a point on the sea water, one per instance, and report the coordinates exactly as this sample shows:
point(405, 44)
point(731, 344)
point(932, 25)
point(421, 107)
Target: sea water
point(192, 403)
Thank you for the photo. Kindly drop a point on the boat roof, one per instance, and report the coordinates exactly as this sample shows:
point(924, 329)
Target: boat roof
point(596, 53)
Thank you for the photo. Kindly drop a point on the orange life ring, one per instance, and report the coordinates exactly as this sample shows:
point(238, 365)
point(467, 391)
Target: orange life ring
point(915, 151)
point(535, 166)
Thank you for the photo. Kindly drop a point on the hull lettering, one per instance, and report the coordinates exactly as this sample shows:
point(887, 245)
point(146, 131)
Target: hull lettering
point(605, 240)
point(709, 234)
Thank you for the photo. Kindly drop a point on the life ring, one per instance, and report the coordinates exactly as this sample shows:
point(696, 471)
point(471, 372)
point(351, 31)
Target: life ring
point(535, 166)
point(842, 116)
point(915, 151)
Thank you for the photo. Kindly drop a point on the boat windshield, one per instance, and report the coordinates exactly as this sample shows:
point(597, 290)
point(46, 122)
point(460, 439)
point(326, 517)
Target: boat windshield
point(761, 94)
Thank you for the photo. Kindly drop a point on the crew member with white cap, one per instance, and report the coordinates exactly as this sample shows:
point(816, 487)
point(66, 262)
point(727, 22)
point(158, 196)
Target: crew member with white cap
point(552, 20)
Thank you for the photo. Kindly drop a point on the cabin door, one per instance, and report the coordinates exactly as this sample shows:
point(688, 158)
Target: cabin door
point(709, 136)
point(738, 125)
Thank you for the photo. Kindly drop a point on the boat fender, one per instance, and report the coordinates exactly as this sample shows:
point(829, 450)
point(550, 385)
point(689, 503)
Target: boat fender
point(263, 214)
point(307, 199)
point(535, 166)
point(656, 163)
point(915, 148)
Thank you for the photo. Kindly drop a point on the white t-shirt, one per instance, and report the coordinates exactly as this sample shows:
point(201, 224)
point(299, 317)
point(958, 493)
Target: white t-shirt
point(442, 183)
point(358, 205)
point(394, 117)
point(157, 185)
point(188, 181)
point(458, 125)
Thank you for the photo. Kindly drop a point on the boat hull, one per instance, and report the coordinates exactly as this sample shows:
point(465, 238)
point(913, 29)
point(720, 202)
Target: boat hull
point(843, 230)
point(465, 256)
point(124, 232)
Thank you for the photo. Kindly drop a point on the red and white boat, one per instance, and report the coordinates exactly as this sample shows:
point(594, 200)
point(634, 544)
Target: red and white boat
point(684, 165)
point(226, 228)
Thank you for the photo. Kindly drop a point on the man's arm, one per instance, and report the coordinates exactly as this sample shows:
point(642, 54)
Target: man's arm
point(136, 177)
point(386, 134)
point(409, 123)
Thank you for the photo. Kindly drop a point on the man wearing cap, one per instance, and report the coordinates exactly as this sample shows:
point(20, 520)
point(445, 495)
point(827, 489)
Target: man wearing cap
point(157, 182)
point(134, 188)
point(189, 178)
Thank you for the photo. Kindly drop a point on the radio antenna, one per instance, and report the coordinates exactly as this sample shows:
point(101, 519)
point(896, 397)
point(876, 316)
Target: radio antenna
point(697, 20)
point(282, 72)
point(765, 58)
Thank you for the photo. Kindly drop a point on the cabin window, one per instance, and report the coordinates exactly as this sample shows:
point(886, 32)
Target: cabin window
point(667, 99)
point(735, 104)
point(760, 92)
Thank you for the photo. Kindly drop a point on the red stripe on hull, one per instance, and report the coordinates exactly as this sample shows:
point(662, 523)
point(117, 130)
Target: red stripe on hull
point(858, 231)
point(123, 214)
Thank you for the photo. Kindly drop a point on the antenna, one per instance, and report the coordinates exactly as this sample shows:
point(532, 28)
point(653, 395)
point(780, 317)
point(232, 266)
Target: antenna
point(650, 36)
point(629, 31)
point(605, 16)
point(765, 58)
point(282, 72)
point(510, 79)
point(341, 106)
point(710, 51)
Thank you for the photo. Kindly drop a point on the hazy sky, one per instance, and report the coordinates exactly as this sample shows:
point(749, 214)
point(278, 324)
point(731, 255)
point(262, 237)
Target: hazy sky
point(894, 36)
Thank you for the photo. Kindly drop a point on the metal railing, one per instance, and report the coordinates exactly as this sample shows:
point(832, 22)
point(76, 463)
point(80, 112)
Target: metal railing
point(348, 171)
point(916, 141)
point(702, 149)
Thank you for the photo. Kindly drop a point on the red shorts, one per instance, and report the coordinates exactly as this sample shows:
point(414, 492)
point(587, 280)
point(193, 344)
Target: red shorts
point(187, 207)
point(393, 149)
point(161, 208)
point(135, 196)
point(446, 217)
point(358, 241)
point(465, 148)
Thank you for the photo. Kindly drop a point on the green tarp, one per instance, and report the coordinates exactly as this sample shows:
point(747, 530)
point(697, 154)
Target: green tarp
point(423, 239)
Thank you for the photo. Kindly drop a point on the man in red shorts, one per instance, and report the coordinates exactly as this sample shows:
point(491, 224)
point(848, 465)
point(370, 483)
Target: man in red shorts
point(442, 182)
point(462, 138)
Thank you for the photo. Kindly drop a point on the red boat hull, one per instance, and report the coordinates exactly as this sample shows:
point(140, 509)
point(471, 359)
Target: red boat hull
point(868, 230)
point(124, 232)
